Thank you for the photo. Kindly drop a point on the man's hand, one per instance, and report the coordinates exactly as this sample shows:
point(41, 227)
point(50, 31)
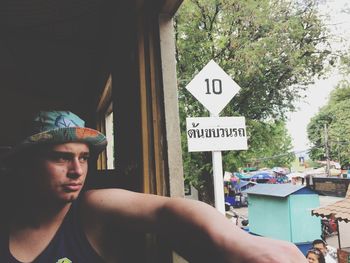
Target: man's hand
point(266, 250)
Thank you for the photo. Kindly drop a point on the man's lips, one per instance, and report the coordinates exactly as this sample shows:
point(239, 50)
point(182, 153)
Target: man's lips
point(72, 187)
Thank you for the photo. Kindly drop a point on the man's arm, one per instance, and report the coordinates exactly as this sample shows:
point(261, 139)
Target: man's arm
point(194, 229)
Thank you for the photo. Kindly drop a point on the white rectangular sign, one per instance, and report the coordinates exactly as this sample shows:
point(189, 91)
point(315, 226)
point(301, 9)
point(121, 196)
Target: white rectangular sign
point(216, 134)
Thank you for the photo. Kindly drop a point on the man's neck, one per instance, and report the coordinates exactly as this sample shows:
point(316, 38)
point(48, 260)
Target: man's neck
point(38, 214)
point(30, 234)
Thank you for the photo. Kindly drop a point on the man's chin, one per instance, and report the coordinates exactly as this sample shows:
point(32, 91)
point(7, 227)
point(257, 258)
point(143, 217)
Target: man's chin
point(72, 198)
point(68, 199)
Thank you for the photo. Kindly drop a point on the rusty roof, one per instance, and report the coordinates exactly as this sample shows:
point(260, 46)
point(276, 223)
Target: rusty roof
point(340, 209)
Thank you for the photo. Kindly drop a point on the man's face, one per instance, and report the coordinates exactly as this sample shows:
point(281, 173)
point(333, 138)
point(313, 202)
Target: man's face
point(321, 247)
point(61, 171)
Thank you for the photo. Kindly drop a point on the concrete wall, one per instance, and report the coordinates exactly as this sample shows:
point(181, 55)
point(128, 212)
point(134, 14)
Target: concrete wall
point(172, 119)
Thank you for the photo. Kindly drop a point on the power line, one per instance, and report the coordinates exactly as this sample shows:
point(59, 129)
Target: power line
point(276, 156)
point(319, 146)
point(326, 148)
point(339, 142)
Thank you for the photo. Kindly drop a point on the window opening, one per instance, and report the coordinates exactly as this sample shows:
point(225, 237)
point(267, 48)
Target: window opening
point(105, 123)
point(110, 138)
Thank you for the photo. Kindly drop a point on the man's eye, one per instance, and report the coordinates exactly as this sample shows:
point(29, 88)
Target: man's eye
point(84, 158)
point(61, 159)
point(58, 157)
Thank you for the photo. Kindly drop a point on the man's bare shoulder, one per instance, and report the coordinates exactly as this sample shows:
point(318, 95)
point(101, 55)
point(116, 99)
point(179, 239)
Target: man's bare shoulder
point(114, 196)
point(92, 195)
point(119, 202)
point(122, 208)
point(111, 198)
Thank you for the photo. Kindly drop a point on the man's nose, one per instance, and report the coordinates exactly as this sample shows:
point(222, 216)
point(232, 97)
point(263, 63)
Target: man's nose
point(75, 168)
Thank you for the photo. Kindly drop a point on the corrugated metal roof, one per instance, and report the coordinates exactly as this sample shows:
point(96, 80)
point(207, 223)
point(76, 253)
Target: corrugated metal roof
point(279, 190)
point(340, 209)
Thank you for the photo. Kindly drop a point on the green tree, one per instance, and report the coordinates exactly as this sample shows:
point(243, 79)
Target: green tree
point(335, 115)
point(270, 145)
point(269, 47)
point(272, 48)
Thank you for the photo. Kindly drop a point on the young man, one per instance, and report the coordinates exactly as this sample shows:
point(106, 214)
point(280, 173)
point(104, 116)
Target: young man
point(50, 219)
point(329, 255)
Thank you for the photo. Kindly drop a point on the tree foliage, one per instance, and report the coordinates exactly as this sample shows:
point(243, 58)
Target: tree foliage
point(335, 116)
point(269, 146)
point(272, 48)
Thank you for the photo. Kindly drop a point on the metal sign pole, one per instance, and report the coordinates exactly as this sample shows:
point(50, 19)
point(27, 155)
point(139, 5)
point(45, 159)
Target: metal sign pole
point(218, 179)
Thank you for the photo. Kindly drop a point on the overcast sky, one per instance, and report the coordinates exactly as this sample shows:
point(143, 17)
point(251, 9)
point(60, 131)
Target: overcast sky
point(317, 94)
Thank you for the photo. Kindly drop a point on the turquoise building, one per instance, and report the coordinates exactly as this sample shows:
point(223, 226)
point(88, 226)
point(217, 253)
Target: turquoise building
point(283, 211)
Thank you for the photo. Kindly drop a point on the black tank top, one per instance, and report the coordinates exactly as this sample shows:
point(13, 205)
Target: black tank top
point(69, 245)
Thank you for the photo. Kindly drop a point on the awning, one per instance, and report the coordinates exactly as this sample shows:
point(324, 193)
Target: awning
point(339, 210)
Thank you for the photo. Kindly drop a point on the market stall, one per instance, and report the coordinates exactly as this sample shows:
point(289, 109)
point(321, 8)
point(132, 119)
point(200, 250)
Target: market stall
point(340, 212)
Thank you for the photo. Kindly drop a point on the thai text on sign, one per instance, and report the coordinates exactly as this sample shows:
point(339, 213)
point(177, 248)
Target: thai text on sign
point(216, 134)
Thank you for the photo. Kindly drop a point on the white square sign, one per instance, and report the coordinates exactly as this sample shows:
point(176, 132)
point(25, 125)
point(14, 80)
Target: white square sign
point(213, 87)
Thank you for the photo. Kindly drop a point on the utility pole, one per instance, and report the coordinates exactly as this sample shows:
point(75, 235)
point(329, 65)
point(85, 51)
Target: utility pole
point(338, 149)
point(326, 149)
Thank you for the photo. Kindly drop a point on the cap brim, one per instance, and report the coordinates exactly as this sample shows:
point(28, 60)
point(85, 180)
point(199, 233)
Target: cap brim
point(96, 140)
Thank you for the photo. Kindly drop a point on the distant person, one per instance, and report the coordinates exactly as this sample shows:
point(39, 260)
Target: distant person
point(315, 255)
point(49, 217)
point(330, 255)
